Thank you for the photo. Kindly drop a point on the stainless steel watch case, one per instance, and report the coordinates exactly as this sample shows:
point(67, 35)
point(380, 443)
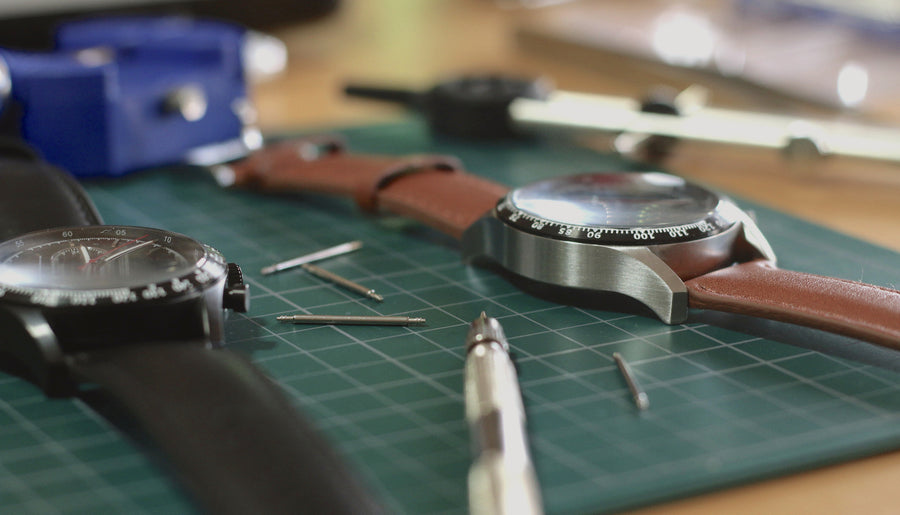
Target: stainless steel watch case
point(653, 275)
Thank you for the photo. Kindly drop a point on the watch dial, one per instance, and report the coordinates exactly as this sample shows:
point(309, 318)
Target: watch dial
point(96, 263)
point(617, 200)
point(620, 208)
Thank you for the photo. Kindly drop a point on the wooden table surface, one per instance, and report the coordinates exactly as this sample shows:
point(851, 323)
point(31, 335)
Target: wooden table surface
point(419, 42)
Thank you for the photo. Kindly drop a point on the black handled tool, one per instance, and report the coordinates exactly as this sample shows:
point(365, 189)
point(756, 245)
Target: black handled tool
point(475, 106)
point(493, 106)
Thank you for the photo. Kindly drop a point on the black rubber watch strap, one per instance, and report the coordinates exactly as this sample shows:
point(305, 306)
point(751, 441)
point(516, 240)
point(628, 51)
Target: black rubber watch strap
point(35, 195)
point(228, 430)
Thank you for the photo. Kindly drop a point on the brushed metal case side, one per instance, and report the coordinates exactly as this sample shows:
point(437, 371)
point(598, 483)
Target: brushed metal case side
point(632, 271)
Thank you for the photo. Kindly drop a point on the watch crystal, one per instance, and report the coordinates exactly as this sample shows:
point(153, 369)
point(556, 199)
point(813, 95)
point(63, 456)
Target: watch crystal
point(96, 264)
point(617, 209)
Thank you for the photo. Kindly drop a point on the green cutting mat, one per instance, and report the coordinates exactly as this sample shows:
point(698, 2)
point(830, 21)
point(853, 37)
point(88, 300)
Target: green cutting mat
point(732, 399)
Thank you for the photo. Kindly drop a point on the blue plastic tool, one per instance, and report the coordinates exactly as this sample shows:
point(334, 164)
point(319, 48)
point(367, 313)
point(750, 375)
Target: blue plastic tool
point(122, 94)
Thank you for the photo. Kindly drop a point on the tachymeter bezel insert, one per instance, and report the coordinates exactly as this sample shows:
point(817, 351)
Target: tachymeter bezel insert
point(203, 266)
point(715, 215)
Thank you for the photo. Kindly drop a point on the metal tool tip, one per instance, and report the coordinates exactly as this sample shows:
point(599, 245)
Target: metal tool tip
point(416, 321)
point(372, 295)
point(285, 318)
point(268, 270)
point(485, 328)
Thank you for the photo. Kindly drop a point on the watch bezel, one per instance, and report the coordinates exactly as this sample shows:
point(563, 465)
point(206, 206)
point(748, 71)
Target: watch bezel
point(208, 270)
point(716, 221)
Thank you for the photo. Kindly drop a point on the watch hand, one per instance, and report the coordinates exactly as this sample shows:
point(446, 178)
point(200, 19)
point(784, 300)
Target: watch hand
point(84, 252)
point(119, 251)
point(127, 250)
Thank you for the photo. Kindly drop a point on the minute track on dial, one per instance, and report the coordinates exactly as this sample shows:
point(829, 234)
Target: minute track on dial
point(621, 209)
point(711, 225)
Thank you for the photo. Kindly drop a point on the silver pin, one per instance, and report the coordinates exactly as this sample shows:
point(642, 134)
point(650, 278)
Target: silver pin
point(351, 320)
point(640, 396)
point(337, 250)
point(342, 281)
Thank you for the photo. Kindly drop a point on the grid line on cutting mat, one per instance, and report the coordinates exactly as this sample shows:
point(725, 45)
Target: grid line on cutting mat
point(729, 403)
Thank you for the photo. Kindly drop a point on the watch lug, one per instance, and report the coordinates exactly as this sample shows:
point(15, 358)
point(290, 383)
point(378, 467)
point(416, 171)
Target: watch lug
point(214, 321)
point(482, 240)
point(651, 281)
point(29, 339)
point(634, 272)
point(752, 244)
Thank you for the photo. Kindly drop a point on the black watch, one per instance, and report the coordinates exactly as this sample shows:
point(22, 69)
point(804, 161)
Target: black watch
point(140, 312)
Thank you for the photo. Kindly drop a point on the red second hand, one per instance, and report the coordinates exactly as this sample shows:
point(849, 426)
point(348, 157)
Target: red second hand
point(110, 251)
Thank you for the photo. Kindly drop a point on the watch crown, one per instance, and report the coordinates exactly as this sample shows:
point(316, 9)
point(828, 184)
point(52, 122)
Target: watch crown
point(234, 275)
point(237, 294)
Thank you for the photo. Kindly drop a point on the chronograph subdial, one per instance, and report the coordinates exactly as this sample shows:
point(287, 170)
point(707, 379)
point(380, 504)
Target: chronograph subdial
point(74, 255)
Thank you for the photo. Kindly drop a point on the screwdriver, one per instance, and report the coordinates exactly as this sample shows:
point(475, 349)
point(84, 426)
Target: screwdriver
point(492, 106)
point(502, 479)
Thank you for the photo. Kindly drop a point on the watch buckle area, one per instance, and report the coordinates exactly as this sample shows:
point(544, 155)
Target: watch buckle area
point(569, 267)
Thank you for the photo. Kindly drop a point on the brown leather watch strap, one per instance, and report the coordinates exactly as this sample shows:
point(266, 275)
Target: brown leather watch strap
point(431, 189)
point(759, 288)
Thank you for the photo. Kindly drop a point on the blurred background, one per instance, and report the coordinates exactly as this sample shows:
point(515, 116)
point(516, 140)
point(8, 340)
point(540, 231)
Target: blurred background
point(820, 58)
point(30, 24)
point(824, 59)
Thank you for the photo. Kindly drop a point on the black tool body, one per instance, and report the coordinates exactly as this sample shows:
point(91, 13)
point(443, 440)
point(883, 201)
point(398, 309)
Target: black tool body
point(471, 107)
